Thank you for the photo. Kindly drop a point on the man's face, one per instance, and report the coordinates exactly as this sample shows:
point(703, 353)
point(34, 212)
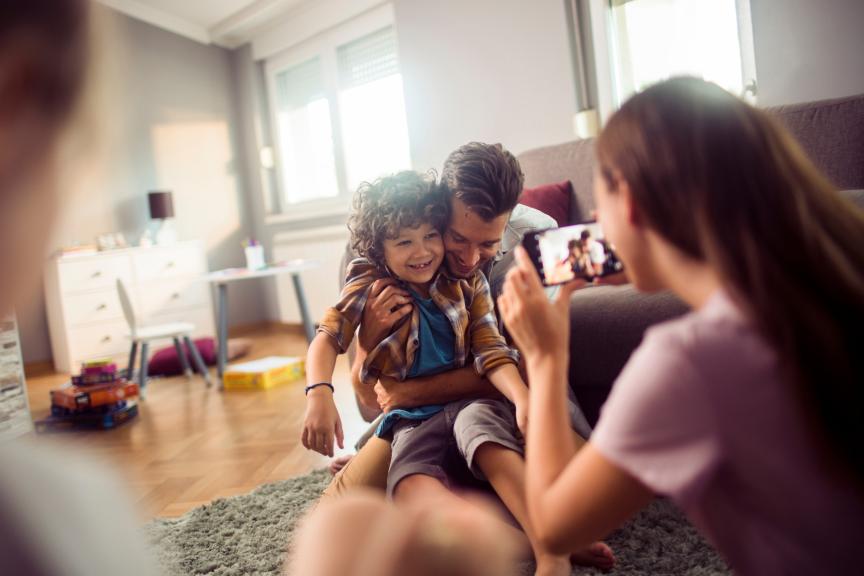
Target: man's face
point(470, 241)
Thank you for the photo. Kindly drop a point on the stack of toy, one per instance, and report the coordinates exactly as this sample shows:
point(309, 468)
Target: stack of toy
point(97, 398)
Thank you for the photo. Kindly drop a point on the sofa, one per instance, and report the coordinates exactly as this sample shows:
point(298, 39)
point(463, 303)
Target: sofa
point(607, 322)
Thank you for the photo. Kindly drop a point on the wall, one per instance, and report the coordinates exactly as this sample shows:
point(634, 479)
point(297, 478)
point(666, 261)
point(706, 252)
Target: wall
point(487, 70)
point(169, 121)
point(808, 50)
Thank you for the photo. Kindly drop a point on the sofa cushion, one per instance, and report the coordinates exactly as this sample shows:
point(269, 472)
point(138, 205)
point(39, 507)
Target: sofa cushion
point(165, 361)
point(831, 132)
point(573, 161)
point(551, 199)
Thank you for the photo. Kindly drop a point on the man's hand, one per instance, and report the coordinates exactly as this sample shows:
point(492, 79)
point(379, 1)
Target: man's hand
point(322, 422)
point(386, 305)
point(387, 392)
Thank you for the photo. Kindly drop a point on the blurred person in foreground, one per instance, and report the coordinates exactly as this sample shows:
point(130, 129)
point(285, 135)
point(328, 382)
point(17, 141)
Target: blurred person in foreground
point(60, 514)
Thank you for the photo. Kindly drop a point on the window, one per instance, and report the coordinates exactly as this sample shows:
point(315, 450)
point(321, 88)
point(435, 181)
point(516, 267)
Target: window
point(652, 40)
point(305, 134)
point(374, 132)
point(338, 118)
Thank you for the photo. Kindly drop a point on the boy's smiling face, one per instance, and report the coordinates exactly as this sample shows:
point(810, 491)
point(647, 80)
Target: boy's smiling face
point(415, 254)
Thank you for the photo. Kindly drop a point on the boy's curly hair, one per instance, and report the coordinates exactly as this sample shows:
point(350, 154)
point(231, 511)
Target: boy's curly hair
point(403, 200)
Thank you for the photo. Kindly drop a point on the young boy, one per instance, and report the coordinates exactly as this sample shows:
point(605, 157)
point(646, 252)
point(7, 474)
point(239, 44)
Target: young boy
point(396, 227)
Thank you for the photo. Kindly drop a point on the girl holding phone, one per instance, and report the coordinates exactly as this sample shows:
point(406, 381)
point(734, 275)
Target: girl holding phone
point(747, 411)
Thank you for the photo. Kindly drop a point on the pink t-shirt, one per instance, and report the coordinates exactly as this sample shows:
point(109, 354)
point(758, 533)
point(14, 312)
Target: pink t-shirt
point(701, 414)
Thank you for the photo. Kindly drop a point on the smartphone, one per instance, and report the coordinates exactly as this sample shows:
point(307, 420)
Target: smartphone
point(578, 251)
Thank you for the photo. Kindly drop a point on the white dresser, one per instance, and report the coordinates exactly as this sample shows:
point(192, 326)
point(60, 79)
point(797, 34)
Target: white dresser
point(84, 313)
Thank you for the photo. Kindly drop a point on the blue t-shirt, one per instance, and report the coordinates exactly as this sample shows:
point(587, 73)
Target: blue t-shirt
point(437, 348)
point(436, 353)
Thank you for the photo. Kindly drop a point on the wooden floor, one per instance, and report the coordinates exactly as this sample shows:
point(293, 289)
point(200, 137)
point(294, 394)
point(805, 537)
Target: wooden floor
point(190, 444)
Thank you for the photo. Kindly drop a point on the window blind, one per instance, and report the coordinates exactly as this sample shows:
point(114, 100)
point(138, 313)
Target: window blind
point(368, 58)
point(299, 85)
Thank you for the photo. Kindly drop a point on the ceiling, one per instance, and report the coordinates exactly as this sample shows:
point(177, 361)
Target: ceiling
point(228, 23)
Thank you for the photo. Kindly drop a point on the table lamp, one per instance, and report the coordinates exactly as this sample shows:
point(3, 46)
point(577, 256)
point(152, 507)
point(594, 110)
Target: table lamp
point(162, 212)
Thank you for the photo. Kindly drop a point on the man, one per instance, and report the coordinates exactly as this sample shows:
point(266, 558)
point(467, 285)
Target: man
point(487, 223)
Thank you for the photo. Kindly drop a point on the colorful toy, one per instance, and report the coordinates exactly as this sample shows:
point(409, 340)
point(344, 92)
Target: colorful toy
point(264, 373)
point(74, 397)
point(102, 419)
point(99, 397)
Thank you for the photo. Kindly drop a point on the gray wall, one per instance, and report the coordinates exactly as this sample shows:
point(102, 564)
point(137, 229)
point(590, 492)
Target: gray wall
point(487, 70)
point(170, 122)
point(808, 50)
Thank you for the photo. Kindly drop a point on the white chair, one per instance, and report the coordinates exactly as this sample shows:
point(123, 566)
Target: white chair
point(144, 334)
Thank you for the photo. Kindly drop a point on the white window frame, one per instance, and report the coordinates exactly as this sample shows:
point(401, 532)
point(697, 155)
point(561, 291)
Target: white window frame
point(323, 46)
point(600, 14)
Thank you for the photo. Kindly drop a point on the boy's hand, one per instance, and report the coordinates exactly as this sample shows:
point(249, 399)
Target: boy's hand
point(322, 422)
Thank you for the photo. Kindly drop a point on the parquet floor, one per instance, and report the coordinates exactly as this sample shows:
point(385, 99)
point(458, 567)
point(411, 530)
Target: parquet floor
point(190, 444)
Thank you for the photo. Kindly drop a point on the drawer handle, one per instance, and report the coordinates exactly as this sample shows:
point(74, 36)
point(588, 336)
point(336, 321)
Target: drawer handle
point(106, 338)
point(102, 306)
point(175, 296)
point(96, 274)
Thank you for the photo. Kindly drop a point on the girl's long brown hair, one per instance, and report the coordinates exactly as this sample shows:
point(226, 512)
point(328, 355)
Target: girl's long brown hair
point(727, 185)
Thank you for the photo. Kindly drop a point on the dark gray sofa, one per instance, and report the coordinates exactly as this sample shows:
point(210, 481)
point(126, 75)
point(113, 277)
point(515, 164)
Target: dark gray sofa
point(607, 323)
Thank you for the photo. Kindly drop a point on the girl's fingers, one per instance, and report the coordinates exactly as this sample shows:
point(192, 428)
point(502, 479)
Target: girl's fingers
point(529, 276)
point(304, 438)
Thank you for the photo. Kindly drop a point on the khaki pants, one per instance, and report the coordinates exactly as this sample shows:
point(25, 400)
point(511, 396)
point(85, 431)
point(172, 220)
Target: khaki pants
point(367, 469)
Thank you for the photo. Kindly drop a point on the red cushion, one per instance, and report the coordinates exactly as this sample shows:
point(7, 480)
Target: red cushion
point(551, 199)
point(165, 362)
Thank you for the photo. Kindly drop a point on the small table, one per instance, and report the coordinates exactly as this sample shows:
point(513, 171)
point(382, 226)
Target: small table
point(221, 278)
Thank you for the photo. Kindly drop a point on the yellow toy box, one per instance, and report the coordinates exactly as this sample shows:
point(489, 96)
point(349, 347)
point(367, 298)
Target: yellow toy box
point(264, 373)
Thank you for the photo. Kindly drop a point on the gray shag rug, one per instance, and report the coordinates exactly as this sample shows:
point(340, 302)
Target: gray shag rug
point(249, 534)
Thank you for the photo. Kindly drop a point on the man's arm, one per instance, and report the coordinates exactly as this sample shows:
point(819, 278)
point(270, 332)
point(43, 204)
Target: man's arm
point(367, 401)
point(457, 384)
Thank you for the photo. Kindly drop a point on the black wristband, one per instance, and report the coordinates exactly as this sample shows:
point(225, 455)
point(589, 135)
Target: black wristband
point(313, 386)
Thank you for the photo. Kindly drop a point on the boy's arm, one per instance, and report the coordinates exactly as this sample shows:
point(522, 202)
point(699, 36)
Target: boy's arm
point(508, 381)
point(322, 420)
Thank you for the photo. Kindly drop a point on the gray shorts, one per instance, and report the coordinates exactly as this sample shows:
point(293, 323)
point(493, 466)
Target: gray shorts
point(428, 447)
point(444, 445)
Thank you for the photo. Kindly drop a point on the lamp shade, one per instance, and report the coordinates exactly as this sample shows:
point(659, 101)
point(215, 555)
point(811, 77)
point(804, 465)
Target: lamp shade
point(161, 205)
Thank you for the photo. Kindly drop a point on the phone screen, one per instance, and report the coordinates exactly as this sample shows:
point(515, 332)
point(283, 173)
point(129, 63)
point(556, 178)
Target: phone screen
point(578, 251)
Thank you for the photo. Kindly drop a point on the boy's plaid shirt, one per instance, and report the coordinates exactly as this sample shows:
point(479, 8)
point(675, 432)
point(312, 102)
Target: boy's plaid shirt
point(467, 303)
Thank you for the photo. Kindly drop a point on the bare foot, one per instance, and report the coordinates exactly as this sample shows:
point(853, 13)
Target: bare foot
point(597, 555)
point(548, 565)
point(338, 464)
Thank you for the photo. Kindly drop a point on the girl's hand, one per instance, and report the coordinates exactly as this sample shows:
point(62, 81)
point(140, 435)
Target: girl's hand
point(322, 422)
point(541, 329)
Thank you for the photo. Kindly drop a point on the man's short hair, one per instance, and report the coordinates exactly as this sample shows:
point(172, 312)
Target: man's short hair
point(486, 177)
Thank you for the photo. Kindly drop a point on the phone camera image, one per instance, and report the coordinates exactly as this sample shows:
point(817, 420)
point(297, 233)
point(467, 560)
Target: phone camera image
point(579, 251)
